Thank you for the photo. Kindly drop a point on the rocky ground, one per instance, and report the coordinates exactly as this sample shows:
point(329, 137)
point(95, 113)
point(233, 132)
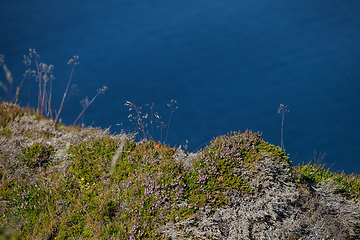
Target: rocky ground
point(281, 206)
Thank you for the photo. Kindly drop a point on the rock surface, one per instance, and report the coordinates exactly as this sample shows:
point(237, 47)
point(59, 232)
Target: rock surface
point(279, 208)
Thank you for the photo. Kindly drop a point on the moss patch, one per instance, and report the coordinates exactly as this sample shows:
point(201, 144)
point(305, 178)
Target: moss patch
point(112, 187)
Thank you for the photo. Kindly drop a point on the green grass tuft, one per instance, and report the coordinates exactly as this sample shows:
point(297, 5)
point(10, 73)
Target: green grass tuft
point(347, 185)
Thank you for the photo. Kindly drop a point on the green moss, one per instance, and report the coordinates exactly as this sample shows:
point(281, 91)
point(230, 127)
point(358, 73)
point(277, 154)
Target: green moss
point(63, 128)
point(99, 196)
point(90, 160)
point(6, 132)
point(8, 234)
point(219, 167)
point(8, 112)
point(294, 236)
point(37, 155)
point(346, 185)
point(146, 187)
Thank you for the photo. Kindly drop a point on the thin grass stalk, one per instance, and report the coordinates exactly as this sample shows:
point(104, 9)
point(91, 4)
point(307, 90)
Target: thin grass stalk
point(140, 122)
point(282, 110)
point(152, 123)
point(29, 92)
point(27, 62)
point(17, 94)
point(161, 135)
point(43, 105)
point(15, 99)
point(101, 208)
point(102, 90)
point(151, 119)
point(65, 223)
point(171, 112)
point(38, 75)
point(49, 101)
point(63, 99)
point(282, 133)
point(92, 222)
point(9, 78)
point(116, 156)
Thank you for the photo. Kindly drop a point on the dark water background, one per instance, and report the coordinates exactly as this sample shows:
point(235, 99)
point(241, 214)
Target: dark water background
point(228, 63)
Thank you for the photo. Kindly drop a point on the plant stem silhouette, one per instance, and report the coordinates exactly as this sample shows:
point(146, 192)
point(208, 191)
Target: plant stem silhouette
point(137, 120)
point(282, 110)
point(74, 62)
point(87, 103)
point(171, 105)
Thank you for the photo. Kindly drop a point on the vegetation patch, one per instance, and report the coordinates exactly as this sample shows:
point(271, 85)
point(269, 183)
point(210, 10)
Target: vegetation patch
point(113, 187)
point(148, 186)
point(218, 168)
point(6, 132)
point(8, 112)
point(37, 155)
point(348, 185)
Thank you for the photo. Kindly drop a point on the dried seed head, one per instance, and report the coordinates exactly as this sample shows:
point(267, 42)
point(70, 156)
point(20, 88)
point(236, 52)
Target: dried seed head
point(33, 53)
point(1, 59)
point(27, 61)
point(282, 109)
point(45, 77)
point(74, 61)
point(102, 90)
point(85, 102)
point(74, 89)
point(27, 73)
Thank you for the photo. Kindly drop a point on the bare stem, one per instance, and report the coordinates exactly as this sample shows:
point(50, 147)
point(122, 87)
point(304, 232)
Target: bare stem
point(67, 88)
point(140, 121)
point(39, 79)
point(49, 101)
point(282, 110)
point(171, 105)
point(102, 90)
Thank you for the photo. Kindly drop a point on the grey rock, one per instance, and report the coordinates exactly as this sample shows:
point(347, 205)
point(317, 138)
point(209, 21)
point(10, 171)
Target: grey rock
point(279, 208)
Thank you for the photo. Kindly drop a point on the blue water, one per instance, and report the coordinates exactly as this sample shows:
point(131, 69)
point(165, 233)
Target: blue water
point(229, 64)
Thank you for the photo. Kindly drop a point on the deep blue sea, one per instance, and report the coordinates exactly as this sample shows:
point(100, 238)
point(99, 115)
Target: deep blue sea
point(229, 64)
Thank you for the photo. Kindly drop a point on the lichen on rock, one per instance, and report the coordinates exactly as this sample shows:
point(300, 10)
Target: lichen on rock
point(238, 187)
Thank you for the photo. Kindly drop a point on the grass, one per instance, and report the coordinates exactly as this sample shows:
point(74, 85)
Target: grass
point(11, 111)
point(137, 118)
point(43, 74)
point(114, 187)
point(282, 110)
point(146, 187)
point(347, 185)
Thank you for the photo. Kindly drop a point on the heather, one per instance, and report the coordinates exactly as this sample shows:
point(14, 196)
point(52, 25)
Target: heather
point(71, 182)
point(66, 182)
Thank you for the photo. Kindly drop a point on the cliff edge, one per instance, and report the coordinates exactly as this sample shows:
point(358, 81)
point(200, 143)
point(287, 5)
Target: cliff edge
point(60, 182)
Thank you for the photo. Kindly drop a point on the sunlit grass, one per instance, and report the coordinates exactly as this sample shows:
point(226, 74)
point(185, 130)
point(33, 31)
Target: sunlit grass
point(147, 187)
point(114, 187)
point(347, 185)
